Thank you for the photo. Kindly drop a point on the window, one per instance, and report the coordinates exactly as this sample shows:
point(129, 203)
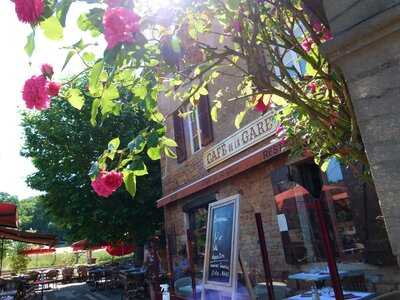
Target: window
point(192, 124)
point(198, 226)
point(343, 201)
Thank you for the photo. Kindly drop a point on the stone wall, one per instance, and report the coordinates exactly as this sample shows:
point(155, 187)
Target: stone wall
point(366, 46)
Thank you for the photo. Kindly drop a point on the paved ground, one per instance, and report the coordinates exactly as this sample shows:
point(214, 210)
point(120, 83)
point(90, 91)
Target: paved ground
point(80, 291)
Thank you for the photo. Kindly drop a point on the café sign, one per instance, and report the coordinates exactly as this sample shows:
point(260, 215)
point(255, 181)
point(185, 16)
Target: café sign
point(249, 135)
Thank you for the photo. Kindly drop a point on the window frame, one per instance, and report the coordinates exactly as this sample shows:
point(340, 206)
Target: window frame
point(191, 109)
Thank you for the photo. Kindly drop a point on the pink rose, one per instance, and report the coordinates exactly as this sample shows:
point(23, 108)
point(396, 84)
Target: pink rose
point(47, 70)
point(327, 35)
point(236, 25)
point(312, 86)
point(120, 26)
point(317, 26)
point(35, 94)
point(307, 44)
point(106, 183)
point(53, 88)
point(113, 180)
point(29, 11)
point(99, 187)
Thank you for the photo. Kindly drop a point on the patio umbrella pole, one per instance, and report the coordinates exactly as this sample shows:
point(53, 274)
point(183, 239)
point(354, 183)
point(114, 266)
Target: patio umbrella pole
point(2, 254)
point(265, 259)
point(191, 263)
point(337, 286)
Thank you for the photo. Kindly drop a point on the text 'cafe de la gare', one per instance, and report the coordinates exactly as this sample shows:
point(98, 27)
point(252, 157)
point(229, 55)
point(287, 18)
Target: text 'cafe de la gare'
point(216, 161)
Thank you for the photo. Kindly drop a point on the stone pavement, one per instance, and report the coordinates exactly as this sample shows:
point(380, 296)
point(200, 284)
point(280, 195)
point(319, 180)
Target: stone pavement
point(80, 291)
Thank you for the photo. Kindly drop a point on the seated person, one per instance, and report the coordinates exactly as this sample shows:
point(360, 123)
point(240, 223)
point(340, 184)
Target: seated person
point(181, 267)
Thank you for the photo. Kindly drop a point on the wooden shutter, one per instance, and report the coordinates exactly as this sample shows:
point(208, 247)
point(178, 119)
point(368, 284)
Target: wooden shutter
point(205, 121)
point(179, 133)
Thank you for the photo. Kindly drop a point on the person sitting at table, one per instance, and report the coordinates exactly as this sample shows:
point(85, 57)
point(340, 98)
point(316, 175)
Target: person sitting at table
point(181, 266)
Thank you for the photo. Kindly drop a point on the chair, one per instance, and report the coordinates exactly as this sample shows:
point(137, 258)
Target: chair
point(354, 283)
point(82, 273)
point(389, 296)
point(281, 290)
point(67, 275)
point(52, 277)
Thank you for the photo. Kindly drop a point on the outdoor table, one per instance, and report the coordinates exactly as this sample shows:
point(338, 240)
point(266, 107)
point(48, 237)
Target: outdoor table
point(322, 276)
point(347, 295)
point(4, 295)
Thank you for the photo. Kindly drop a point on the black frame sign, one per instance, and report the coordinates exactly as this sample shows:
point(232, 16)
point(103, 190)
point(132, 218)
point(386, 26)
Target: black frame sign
point(220, 263)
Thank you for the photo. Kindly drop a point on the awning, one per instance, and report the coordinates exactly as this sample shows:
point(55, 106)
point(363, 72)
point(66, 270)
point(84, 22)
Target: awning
point(274, 148)
point(84, 245)
point(8, 215)
point(33, 251)
point(27, 237)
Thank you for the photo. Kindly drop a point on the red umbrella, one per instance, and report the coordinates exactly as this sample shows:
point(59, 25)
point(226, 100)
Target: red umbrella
point(32, 251)
point(8, 215)
point(120, 249)
point(84, 245)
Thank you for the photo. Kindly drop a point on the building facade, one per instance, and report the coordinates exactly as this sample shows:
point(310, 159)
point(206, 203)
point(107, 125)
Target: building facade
point(216, 160)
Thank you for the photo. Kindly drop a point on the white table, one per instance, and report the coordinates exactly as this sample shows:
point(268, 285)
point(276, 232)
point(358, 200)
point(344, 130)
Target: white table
point(322, 276)
point(357, 296)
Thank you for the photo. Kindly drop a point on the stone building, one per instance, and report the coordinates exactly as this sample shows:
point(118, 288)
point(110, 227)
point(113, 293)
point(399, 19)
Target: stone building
point(216, 160)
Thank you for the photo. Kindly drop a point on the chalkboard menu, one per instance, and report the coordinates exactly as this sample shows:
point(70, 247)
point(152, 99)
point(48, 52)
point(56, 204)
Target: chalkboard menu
point(221, 243)
point(221, 247)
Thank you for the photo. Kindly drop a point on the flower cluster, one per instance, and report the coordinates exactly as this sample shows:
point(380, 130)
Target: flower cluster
point(38, 89)
point(120, 25)
point(29, 11)
point(321, 31)
point(106, 183)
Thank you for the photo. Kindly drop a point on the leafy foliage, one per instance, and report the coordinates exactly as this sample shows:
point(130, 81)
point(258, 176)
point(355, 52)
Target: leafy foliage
point(271, 47)
point(63, 146)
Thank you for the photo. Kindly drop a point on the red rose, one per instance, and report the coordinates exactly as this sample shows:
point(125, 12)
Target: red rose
point(113, 180)
point(53, 88)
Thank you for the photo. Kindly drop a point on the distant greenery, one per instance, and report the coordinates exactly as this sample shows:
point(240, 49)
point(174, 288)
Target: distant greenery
point(60, 260)
point(63, 145)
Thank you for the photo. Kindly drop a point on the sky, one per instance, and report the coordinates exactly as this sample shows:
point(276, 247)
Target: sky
point(15, 69)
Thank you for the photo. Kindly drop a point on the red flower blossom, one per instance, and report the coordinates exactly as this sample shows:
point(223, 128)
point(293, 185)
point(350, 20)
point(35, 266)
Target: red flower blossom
point(312, 86)
point(307, 44)
point(53, 88)
point(120, 26)
point(47, 70)
point(260, 105)
point(29, 11)
point(327, 35)
point(35, 93)
point(317, 26)
point(106, 183)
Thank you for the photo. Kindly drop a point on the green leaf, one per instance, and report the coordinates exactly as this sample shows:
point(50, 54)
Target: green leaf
point(94, 170)
point(52, 28)
point(137, 144)
point(168, 152)
point(88, 57)
point(94, 77)
point(233, 4)
point(130, 182)
point(67, 59)
point(138, 167)
point(140, 91)
point(154, 153)
point(203, 91)
point(75, 98)
point(157, 117)
point(325, 165)
point(62, 11)
point(30, 44)
point(278, 100)
point(239, 119)
point(94, 111)
point(169, 142)
point(114, 144)
point(310, 70)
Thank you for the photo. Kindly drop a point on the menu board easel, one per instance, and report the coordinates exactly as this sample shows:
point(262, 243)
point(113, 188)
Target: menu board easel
point(221, 252)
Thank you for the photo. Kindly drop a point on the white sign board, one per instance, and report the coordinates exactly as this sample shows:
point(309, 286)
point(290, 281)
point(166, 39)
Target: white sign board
point(249, 135)
point(221, 254)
